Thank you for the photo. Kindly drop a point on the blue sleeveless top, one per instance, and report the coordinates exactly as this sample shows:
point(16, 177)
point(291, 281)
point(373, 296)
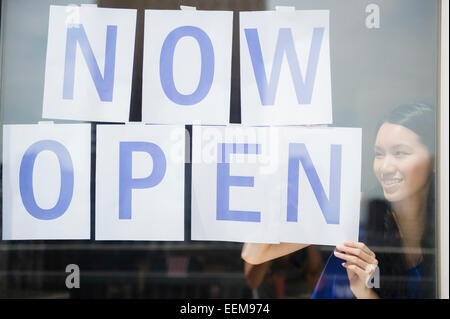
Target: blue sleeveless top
point(334, 284)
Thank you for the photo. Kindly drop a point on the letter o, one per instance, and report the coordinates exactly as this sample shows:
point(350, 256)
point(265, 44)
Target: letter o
point(166, 65)
point(26, 180)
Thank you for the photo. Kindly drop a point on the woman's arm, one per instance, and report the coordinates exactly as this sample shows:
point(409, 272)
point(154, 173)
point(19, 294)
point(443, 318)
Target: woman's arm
point(259, 253)
point(255, 274)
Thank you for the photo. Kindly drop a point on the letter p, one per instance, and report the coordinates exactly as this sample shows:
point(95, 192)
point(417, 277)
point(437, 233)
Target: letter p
point(126, 181)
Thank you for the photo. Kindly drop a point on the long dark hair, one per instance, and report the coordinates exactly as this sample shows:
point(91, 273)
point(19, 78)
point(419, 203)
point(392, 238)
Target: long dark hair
point(383, 233)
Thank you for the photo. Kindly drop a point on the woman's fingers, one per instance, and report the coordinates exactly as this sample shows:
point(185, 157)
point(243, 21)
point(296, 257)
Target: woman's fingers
point(359, 258)
point(352, 259)
point(357, 270)
point(358, 253)
point(359, 245)
point(351, 274)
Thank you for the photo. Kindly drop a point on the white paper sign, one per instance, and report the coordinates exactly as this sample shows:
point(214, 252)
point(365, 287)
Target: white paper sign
point(235, 188)
point(89, 65)
point(321, 181)
point(187, 67)
point(285, 67)
point(46, 181)
point(140, 182)
point(315, 170)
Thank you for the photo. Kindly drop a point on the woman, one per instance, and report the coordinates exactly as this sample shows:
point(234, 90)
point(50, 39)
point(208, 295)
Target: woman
point(400, 227)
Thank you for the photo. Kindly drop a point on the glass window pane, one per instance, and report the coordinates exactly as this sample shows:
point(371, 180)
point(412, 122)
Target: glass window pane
point(382, 57)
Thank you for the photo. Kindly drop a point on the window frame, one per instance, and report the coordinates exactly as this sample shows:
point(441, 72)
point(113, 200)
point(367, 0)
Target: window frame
point(443, 159)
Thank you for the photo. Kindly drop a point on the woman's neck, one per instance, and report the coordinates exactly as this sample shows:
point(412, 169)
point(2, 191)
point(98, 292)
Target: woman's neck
point(410, 217)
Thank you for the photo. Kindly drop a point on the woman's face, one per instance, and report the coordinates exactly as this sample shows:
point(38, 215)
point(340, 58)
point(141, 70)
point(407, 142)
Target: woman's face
point(402, 163)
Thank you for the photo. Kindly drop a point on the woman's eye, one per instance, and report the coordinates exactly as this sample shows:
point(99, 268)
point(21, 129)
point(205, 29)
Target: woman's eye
point(400, 153)
point(379, 154)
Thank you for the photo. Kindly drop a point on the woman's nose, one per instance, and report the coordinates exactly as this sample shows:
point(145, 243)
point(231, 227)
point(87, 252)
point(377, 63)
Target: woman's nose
point(388, 165)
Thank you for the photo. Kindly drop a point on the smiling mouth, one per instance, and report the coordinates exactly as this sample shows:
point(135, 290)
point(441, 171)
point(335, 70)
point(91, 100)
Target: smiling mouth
point(392, 181)
point(391, 185)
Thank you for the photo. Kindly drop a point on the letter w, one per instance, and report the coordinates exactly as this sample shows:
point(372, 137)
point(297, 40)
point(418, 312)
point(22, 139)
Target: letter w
point(285, 43)
point(105, 84)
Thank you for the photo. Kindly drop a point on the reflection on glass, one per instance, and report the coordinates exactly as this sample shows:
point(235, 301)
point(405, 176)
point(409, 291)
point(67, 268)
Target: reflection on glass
point(405, 219)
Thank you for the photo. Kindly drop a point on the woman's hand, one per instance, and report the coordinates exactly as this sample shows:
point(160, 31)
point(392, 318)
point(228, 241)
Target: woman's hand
point(360, 264)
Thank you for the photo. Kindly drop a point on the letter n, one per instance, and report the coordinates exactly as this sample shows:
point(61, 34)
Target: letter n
point(104, 84)
point(330, 206)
